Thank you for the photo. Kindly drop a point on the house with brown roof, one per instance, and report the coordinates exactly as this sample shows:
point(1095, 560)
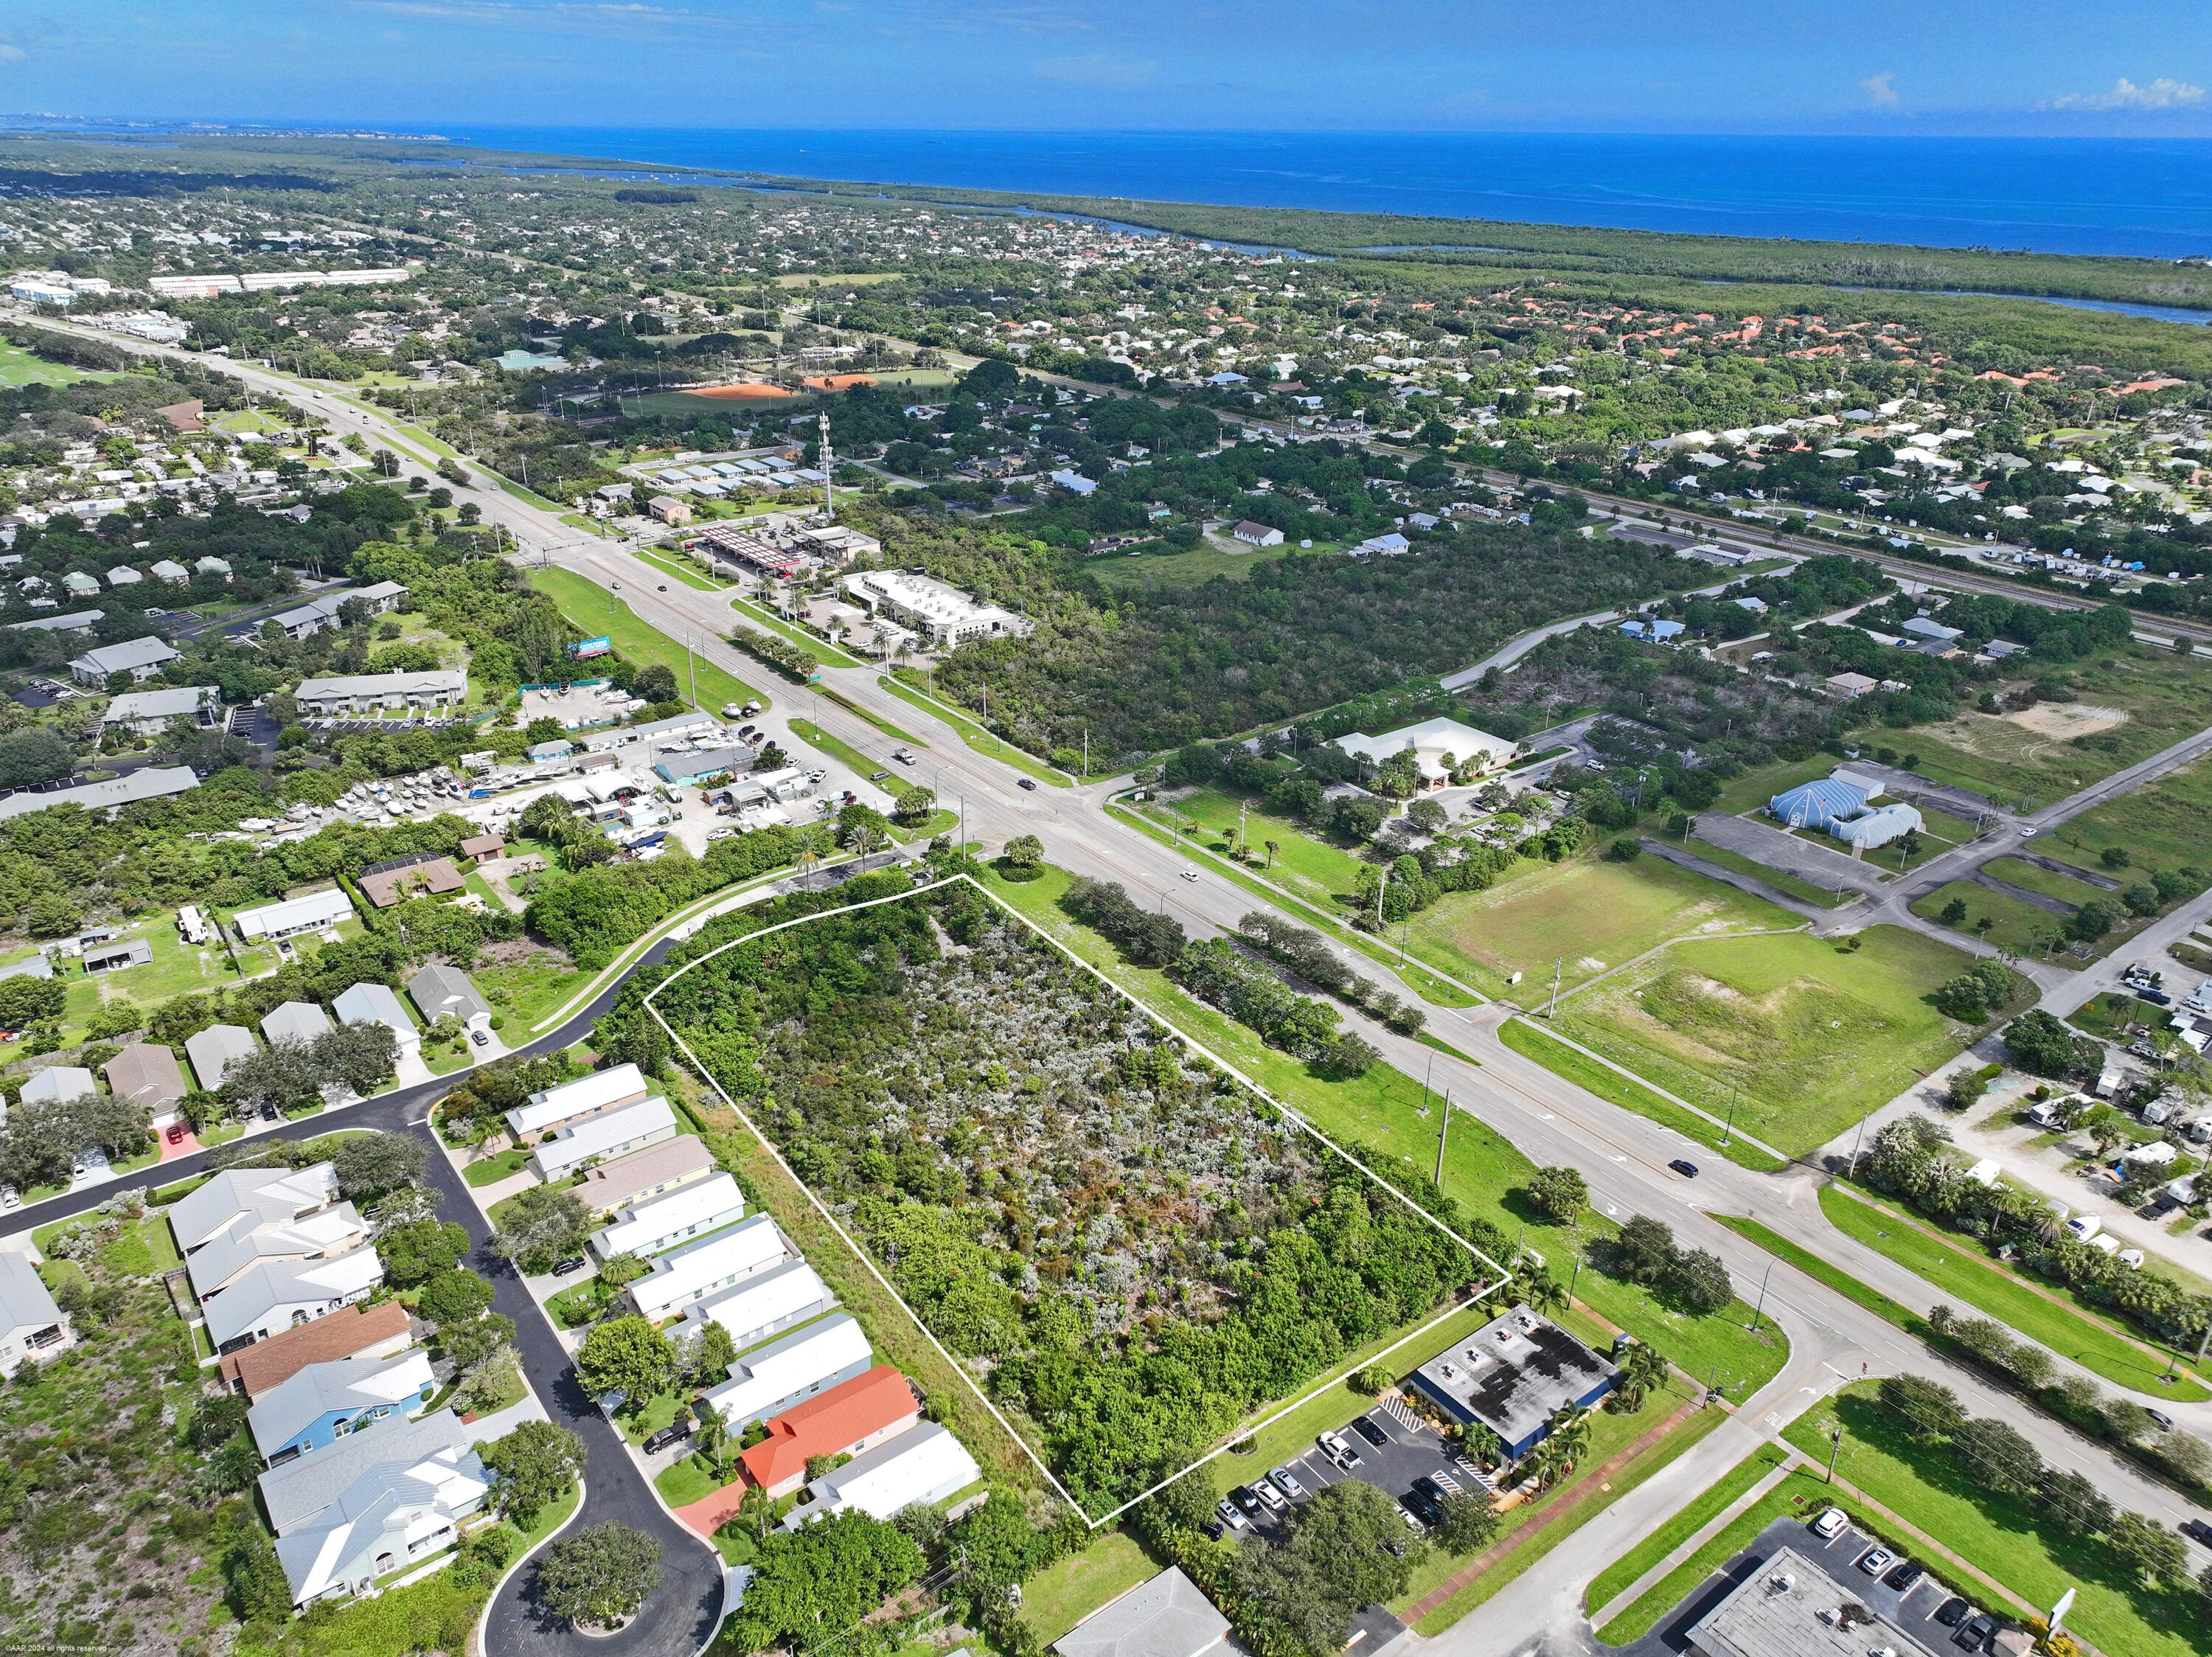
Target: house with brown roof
point(352, 1331)
point(483, 848)
point(145, 1074)
point(645, 1174)
point(850, 1417)
point(387, 883)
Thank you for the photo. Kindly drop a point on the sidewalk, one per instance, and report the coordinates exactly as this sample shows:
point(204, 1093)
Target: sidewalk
point(1704, 1533)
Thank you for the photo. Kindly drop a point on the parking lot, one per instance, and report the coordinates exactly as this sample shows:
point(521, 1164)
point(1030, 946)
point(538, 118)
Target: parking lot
point(1412, 1449)
point(1912, 1609)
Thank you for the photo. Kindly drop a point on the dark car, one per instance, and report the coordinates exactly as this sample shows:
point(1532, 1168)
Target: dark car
point(1025, 783)
point(1953, 1611)
point(573, 1263)
point(1366, 1428)
point(666, 1436)
point(1905, 1575)
point(2156, 997)
point(1243, 1497)
point(1976, 1634)
point(2197, 1531)
point(1683, 1165)
point(2163, 1422)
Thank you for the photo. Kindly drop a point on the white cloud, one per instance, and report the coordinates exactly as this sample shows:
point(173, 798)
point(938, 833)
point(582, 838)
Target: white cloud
point(1879, 90)
point(10, 54)
point(2164, 93)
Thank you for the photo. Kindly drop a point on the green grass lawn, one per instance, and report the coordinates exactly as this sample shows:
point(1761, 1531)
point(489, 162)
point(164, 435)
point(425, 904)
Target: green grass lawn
point(819, 647)
point(1810, 1035)
point(1715, 1499)
point(597, 611)
point(2035, 878)
point(20, 368)
point(527, 990)
point(690, 575)
point(851, 757)
point(1066, 1592)
point(2014, 923)
point(874, 719)
point(1530, 1041)
point(490, 1170)
point(1585, 916)
point(1954, 1265)
point(975, 735)
point(2164, 825)
point(144, 1249)
point(2030, 1548)
point(1748, 790)
point(1200, 565)
point(1800, 1494)
point(1308, 865)
point(689, 1480)
point(1780, 879)
point(1483, 1171)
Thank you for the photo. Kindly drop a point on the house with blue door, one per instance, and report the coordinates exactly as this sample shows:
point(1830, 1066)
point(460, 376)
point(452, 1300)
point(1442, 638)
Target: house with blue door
point(325, 1402)
point(1511, 1375)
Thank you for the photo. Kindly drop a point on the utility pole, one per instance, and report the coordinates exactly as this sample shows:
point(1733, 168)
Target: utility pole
point(829, 472)
point(1761, 1304)
point(1729, 1128)
point(1443, 1131)
point(1852, 1172)
point(1835, 1448)
point(691, 667)
point(1552, 1006)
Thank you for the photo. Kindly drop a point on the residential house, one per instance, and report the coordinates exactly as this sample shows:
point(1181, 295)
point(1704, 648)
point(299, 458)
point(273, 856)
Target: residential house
point(322, 1402)
point(294, 1020)
point(211, 565)
point(270, 1196)
point(424, 874)
point(608, 1187)
point(439, 989)
point(1651, 629)
point(222, 1260)
point(1388, 546)
point(925, 1467)
point(311, 911)
point(616, 1133)
point(273, 1295)
point(765, 1304)
point(169, 570)
point(374, 1003)
point(215, 1049)
point(56, 1083)
point(318, 613)
point(570, 1102)
point(140, 658)
point(432, 690)
point(124, 575)
point(1850, 686)
point(1166, 1616)
point(146, 1074)
point(662, 1222)
point(377, 1502)
point(810, 1359)
point(114, 954)
point(1255, 534)
point(150, 713)
point(854, 1417)
point(31, 1327)
point(697, 1269)
point(482, 849)
point(363, 1333)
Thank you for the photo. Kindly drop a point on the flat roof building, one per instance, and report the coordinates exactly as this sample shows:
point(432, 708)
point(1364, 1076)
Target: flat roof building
point(1511, 1375)
point(942, 614)
point(574, 1101)
point(924, 1465)
point(311, 911)
point(810, 1359)
point(697, 1269)
point(1790, 1607)
point(677, 1216)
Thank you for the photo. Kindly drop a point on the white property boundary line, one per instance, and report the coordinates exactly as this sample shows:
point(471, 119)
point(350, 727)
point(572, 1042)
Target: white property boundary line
point(1241, 1432)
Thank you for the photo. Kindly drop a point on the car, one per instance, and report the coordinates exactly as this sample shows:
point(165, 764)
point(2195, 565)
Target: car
point(1338, 1449)
point(878, 777)
point(2163, 1422)
point(1905, 1575)
point(176, 1133)
point(2195, 1529)
point(1190, 875)
point(1976, 1634)
point(1268, 1493)
point(1367, 1428)
point(1874, 1561)
point(1287, 1482)
point(1683, 1165)
point(663, 588)
point(666, 1436)
point(10, 1198)
point(1829, 1525)
point(1243, 1497)
point(1953, 1611)
point(1026, 783)
point(482, 1038)
point(1215, 1529)
point(1412, 1523)
point(570, 1267)
point(1231, 1514)
point(905, 758)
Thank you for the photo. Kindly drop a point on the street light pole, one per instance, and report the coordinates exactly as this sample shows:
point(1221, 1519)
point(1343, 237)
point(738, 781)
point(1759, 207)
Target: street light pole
point(1761, 1306)
point(1443, 1130)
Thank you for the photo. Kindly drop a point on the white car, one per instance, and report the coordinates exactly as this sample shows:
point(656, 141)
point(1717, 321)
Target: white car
point(1287, 1482)
point(1231, 1514)
point(10, 1198)
point(1829, 1525)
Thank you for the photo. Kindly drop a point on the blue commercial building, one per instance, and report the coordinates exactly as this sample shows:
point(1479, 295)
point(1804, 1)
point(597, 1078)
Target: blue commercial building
point(1512, 1375)
point(1819, 804)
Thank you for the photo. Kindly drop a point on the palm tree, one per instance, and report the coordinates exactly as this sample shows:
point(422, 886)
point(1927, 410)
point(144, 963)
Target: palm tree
point(807, 862)
point(1570, 1433)
point(1273, 848)
point(1542, 1291)
point(712, 1435)
point(1645, 1369)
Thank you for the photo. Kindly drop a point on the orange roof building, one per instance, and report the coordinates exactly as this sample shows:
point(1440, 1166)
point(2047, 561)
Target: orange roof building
point(376, 1332)
point(844, 1420)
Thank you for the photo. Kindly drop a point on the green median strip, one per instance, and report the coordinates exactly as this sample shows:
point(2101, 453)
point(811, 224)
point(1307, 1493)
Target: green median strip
point(819, 647)
point(846, 754)
point(1718, 1497)
point(879, 722)
point(690, 578)
point(595, 609)
point(1834, 1278)
point(1608, 1083)
point(1951, 1266)
point(1439, 992)
point(976, 737)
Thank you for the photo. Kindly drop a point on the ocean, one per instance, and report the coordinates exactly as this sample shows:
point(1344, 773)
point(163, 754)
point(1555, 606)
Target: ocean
point(2140, 197)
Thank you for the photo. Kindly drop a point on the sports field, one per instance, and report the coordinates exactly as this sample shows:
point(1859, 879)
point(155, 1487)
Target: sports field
point(1585, 916)
point(20, 368)
point(1802, 1034)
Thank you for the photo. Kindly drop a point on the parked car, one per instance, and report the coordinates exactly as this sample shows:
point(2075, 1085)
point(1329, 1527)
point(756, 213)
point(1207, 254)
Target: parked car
point(1231, 1514)
point(675, 1433)
point(482, 1038)
point(1412, 1523)
point(1268, 1493)
point(1367, 1428)
point(569, 1267)
point(1243, 1497)
point(1287, 1482)
point(10, 1198)
point(1976, 1634)
point(1338, 1449)
point(1905, 1575)
point(176, 1133)
point(1953, 1611)
point(1829, 1525)
point(1683, 1165)
point(1874, 1561)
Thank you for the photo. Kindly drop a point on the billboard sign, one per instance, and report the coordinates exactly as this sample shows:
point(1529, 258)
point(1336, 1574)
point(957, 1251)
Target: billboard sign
point(591, 647)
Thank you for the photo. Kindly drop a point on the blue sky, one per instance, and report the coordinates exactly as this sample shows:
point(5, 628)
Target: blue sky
point(1931, 67)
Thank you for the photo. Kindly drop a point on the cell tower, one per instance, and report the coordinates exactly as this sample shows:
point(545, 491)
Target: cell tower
point(828, 465)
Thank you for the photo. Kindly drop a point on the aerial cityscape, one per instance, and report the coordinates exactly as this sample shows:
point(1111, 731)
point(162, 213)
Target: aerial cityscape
point(972, 856)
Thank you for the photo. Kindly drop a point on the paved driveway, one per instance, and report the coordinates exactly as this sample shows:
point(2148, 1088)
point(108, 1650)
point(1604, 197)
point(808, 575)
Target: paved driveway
point(1833, 870)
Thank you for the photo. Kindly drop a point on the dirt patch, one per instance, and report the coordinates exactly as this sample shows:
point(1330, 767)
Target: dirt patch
point(523, 951)
point(746, 392)
point(2065, 721)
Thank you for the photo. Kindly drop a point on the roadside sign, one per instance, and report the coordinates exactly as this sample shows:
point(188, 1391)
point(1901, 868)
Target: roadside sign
point(591, 647)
